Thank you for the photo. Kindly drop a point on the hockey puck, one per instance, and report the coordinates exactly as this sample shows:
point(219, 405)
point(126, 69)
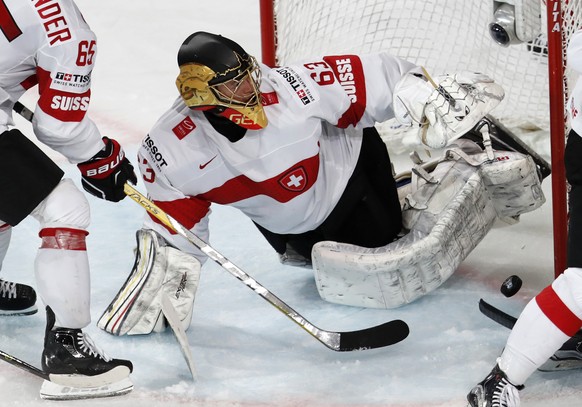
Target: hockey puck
point(511, 286)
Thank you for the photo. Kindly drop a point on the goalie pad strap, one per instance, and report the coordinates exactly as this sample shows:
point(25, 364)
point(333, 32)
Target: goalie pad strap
point(137, 307)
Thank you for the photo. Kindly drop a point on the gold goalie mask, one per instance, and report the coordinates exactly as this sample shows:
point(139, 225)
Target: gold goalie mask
point(216, 73)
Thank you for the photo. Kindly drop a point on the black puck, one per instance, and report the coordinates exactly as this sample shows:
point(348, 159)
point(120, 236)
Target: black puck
point(511, 286)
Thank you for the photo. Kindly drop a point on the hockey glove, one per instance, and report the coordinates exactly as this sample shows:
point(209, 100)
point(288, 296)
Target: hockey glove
point(445, 112)
point(457, 105)
point(105, 174)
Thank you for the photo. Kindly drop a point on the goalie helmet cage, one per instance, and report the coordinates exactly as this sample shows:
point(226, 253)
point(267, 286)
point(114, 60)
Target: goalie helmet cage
point(449, 36)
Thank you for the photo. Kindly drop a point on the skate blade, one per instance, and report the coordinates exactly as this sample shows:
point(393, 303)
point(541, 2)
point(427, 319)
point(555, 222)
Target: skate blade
point(114, 375)
point(556, 365)
point(54, 391)
point(18, 312)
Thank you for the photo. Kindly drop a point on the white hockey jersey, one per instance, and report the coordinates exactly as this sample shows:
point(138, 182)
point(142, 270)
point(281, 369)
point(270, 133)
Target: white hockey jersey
point(286, 177)
point(47, 42)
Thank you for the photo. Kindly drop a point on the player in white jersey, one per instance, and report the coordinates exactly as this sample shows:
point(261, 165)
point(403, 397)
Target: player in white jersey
point(546, 332)
point(293, 147)
point(49, 44)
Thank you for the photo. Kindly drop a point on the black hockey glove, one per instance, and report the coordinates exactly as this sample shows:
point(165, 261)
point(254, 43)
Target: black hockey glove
point(105, 174)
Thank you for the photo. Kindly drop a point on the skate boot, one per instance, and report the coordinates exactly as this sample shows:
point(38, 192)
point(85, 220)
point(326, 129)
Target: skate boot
point(494, 391)
point(77, 368)
point(568, 357)
point(17, 299)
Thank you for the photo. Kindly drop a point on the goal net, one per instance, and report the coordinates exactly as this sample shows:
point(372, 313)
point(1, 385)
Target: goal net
point(446, 36)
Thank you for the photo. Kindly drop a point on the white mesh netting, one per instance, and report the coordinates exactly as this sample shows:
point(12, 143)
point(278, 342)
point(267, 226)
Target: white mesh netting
point(445, 36)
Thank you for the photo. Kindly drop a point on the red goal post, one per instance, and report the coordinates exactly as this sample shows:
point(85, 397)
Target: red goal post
point(451, 36)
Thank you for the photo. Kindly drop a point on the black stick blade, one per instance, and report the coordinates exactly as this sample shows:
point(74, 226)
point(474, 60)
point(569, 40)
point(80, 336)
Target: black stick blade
point(375, 337)
point(496, 314)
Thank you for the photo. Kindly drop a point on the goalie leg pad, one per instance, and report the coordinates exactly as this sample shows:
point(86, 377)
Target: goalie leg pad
point(513, 184)
point(445, 219)
point(137, 307)
point(447, 213)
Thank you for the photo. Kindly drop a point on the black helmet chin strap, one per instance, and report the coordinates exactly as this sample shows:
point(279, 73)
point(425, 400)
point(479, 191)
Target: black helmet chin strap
point(227, 128)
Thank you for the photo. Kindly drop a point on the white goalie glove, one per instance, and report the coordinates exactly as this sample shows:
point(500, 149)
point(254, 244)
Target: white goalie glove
point(447, 110)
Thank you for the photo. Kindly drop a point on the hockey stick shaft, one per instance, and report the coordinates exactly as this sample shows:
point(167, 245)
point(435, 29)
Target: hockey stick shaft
point(495, 314)
point(375, 337)
point(23, 365)
point(378, 336)
point(23, 111)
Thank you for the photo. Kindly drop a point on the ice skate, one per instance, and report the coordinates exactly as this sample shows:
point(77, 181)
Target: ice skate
point(494, 391)
point(568, 357)
point(17, 299)
point(77, 368)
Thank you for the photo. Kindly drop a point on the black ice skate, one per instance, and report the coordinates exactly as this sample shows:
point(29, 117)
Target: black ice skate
point(494, 391)
point(17, 299)
point(568, 357)
point(77, 368)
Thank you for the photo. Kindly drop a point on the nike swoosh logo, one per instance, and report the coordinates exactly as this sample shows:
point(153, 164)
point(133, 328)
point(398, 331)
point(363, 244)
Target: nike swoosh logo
point(202, 166)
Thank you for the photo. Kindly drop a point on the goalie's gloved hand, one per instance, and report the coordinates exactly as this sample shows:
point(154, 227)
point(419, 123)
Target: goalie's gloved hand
point(105, 174)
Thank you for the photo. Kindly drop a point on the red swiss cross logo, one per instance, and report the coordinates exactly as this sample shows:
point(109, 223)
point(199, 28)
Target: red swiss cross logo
point(294, 180)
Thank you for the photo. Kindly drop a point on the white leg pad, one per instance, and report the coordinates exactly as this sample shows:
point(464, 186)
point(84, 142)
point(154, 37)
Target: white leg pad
point(445, 221)
point(137, 308)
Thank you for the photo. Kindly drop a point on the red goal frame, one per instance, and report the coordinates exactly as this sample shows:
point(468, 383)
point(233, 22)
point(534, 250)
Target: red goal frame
point(557, 112)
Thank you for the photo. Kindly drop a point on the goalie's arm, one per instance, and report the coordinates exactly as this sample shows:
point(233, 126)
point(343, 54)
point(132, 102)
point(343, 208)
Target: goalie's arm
point(191, 212)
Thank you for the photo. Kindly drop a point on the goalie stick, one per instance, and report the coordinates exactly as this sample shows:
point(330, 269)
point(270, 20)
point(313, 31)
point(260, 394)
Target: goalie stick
point(378, 336)
point(374, 337)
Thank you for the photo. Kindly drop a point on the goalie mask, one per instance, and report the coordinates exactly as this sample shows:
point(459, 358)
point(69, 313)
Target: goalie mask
point(216, 73)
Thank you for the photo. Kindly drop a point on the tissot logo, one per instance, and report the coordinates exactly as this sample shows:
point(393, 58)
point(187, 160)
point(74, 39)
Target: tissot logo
point(295, 180)
point(297, 84)
point(71, 77)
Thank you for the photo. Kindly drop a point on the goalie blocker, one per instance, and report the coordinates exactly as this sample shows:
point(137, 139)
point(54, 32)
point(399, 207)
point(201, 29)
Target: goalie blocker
point(159, 269)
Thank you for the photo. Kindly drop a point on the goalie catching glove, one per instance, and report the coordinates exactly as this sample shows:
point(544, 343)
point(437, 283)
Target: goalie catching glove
point(447, 110)
point(105, 174)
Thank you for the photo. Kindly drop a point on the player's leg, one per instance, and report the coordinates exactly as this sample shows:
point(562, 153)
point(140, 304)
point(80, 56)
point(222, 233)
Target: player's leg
point(27, 176)
point(546, 323)
point(573, 163)
point(369, 213)
point(63, 281)
point(15, 298)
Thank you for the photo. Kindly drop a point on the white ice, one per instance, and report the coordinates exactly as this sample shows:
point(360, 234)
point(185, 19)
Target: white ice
point(247, 353)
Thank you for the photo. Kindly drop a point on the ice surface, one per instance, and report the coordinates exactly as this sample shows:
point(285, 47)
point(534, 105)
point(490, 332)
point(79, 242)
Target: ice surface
point(247, 353)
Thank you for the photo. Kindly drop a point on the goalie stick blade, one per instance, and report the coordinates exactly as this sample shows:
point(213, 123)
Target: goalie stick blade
point(496, 314)
point(379, 336)
point(176, 326)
